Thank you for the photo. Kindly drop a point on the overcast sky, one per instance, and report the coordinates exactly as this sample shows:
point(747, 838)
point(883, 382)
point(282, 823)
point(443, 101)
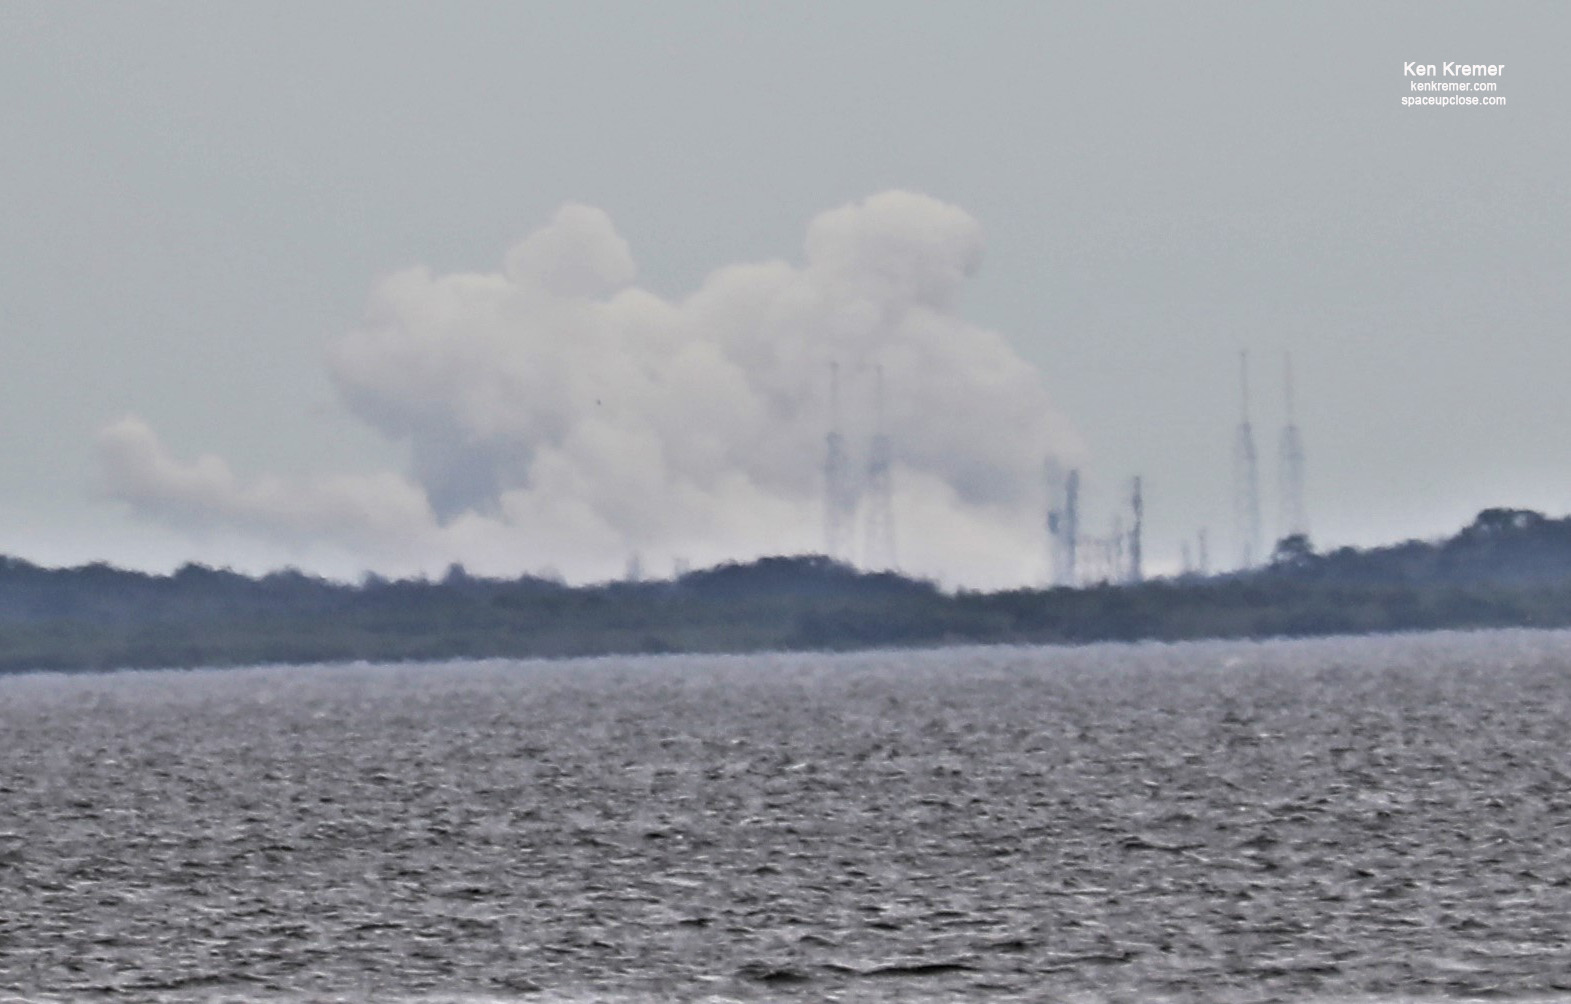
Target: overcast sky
point(292, 283)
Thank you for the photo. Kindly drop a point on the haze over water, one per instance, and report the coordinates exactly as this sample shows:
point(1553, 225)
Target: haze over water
point(1376, 819)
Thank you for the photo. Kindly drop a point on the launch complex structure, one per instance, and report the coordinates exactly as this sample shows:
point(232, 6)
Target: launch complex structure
point(869, 493)
point(862, 498)
point(1078, 560)
point(1291, 518)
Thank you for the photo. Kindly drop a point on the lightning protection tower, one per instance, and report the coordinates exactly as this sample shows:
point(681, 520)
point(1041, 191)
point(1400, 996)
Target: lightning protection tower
point(1109, 554)
point(839, 493)
point(879, 551)
point(1063, 523)
point(1291, 467)
point(1137, 508)
point(1246, 479)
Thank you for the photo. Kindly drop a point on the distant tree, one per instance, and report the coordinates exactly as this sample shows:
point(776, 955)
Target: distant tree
point(1293, 552)
point(1499, 522)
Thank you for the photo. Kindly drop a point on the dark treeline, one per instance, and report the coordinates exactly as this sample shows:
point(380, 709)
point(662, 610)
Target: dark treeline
point(1508, 568)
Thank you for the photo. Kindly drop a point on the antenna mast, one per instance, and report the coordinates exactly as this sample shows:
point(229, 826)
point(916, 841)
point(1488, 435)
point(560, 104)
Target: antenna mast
point(1138, 506)
point(1246, 478)
point(1063, 523)
point(838, 497)
point(1291, 468)
point(880, 547)
point(1071, 535)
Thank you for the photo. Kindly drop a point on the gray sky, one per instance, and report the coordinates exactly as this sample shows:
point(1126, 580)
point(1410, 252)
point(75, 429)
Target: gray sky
point(199, 201)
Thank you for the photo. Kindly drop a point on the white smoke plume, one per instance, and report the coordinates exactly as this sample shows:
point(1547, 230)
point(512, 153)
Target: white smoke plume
point(557, 415)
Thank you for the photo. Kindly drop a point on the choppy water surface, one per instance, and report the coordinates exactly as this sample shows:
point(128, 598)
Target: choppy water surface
point(1384, 819)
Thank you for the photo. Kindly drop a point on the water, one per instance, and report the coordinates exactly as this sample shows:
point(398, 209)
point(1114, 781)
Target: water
point(1343, 820)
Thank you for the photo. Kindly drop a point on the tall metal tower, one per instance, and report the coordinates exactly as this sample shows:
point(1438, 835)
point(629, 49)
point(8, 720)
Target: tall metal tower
point(1054, 477)
point(1138, 506)
point(1291, 467)
point(1113, 565)
point(839, 492)
point(1063, 522)
point(879, 551)
point(1246, 479)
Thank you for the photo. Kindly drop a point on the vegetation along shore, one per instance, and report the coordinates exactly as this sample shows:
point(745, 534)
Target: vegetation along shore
point(1508, 568)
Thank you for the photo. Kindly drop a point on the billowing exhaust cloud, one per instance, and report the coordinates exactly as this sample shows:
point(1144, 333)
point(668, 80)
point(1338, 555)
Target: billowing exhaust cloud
point(557, 415)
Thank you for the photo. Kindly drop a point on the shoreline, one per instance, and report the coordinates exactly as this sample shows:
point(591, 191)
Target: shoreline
point(1509, 569)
